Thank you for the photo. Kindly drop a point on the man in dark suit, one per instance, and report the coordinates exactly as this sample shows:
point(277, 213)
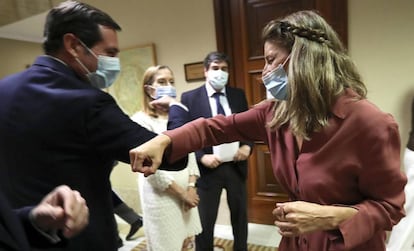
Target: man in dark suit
point(62, 211)
point(58, 127)
point(224, 166)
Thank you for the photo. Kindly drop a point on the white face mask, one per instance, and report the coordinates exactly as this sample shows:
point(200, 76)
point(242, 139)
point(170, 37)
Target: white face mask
point(217, 78)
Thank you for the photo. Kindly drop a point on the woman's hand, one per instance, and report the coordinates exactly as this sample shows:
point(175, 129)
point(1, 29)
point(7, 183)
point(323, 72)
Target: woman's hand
point(210, 161)
point(190, 198)
point(299, 217)
point(147, 157)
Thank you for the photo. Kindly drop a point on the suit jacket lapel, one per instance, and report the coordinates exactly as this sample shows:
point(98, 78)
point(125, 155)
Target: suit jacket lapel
point(205, 104)
point(231, 100)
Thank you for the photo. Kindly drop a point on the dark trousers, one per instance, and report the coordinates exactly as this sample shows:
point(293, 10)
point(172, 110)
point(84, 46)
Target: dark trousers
point(116, 200)
point(209, 189)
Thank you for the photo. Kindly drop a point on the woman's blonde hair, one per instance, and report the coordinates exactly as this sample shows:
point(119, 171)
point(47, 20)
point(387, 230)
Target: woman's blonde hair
point(319, 71)
point(148, 80)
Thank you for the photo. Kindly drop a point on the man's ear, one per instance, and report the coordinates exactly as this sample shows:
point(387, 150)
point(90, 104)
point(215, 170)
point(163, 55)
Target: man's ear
point(205, 72)
point(71, 44)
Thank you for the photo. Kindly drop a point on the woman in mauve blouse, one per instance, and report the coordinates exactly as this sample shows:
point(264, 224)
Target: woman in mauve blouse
point(334, 152)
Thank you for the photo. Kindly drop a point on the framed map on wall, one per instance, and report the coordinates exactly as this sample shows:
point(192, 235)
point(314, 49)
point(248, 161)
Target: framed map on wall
point(127, 89)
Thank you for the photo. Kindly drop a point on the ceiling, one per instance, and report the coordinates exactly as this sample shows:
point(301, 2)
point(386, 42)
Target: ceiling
point(24, 19)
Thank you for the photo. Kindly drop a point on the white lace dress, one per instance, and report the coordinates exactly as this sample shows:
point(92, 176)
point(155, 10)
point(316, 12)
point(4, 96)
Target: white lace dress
point(402, 235)
point(166, 224)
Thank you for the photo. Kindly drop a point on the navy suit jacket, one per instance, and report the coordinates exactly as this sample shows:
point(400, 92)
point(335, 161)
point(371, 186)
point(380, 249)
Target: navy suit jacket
point(12, 234)
point(57, 129)
point(16, 231)
point(198, 104)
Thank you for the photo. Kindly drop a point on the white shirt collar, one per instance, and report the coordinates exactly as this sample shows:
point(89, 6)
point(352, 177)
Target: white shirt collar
point(211, 91)
point(57, 59)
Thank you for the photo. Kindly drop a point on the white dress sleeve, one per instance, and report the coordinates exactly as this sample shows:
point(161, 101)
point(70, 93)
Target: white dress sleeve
point(161, 179)
point(145, 121)
point(192, 165)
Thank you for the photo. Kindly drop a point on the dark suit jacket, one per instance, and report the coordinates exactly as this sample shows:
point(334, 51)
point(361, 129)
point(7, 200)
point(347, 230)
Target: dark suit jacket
point(16, 230)
point(56, 129)
point(198, 104)
point(12, 234)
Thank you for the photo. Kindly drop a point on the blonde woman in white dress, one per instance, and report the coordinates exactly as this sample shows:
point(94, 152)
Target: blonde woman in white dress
point(169, 199)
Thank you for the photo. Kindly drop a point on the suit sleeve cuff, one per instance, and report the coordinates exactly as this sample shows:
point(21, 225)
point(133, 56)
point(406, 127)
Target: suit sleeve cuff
point(50, 235)
point(179, 104)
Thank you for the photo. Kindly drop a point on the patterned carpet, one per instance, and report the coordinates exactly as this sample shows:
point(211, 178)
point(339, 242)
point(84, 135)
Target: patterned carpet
point(219, 244)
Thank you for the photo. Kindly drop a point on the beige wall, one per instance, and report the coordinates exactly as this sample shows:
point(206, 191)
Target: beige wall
point(381, 41)
point(182, 30)
point(17, 55)
point(381, 36)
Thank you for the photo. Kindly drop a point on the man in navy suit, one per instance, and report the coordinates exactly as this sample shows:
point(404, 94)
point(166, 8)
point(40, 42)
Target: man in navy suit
point(58, 127)
point(62, 211)
point(224, 166)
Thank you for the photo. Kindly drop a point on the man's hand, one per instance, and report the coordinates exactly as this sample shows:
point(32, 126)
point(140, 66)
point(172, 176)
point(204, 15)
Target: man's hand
point(62, 209)
point(210, 160)
point(163, 103)
point(242, 153)
point(147, 157)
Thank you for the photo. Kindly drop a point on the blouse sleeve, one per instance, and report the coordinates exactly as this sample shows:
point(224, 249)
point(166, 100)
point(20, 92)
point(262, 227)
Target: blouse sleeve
point(380, 181)
point(250, 125)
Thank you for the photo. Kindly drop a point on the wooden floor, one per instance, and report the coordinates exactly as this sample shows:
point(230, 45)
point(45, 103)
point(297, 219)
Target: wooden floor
point(258, 234)
point(219, 245)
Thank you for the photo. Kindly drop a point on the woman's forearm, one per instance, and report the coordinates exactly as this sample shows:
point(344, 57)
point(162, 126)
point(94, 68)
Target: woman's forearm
point(176, 190)
point(335, 215)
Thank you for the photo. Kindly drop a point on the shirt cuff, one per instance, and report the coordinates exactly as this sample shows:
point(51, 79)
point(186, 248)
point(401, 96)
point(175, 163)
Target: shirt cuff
point(179, 104)
point(50, 235)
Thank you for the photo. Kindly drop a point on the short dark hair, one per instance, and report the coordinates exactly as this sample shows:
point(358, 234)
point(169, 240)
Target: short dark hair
point(215, 56)
point(78, 18)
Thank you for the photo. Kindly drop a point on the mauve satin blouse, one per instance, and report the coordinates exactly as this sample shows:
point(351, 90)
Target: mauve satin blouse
point(355, 161)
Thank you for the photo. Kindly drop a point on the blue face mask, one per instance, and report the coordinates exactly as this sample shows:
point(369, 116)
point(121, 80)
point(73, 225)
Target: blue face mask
point(165, 90)
point(107, 71)
point(276, 82)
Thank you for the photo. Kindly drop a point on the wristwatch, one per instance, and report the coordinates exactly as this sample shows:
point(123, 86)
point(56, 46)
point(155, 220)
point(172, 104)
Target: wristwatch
point(191, 184)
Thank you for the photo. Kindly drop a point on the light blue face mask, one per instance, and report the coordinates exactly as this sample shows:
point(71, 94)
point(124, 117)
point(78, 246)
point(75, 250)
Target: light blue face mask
point(276, 82)
point(165, 90)
point(107, 71)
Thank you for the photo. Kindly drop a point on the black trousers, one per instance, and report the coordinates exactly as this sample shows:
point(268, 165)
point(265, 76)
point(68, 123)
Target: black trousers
point(210, 187)
point(116, 200)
